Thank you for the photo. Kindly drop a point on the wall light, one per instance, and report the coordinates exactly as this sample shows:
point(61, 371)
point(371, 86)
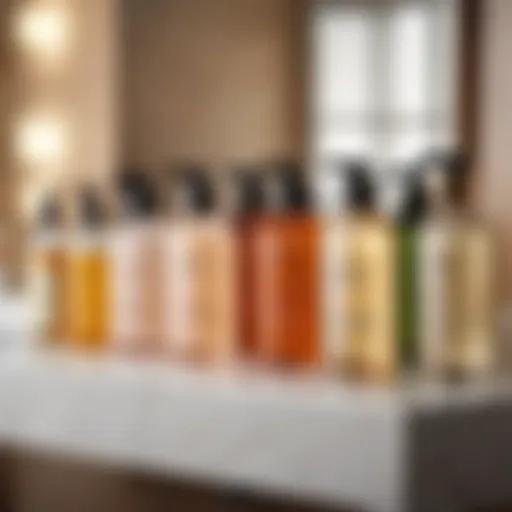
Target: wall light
point(42, 30)
point(41, 142)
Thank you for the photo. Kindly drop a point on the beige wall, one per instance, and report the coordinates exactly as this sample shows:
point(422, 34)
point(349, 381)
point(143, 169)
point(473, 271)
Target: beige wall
point(11, 223)
point(73, 88)
point(218, 80)
point(494, 184)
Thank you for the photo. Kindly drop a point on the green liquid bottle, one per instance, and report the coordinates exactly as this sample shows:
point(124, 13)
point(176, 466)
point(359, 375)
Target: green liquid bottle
point(411, 214)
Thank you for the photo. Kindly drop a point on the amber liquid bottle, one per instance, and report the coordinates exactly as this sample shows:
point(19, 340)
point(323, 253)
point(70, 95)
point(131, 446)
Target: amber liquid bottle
point(286, 273)
point(135, 263)
point(199, 273)
point(248, 203)
point(88, 277)
point(47, 275)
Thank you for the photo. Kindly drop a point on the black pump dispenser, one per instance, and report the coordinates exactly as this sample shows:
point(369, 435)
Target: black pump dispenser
point(246, 184)
point(286, 188)
point(91, 212)
point(360, 192)
point(192, 190)
point(51, 215)
point(413, 207)
point(454, 168)
point(138, 194)
point(458, 166)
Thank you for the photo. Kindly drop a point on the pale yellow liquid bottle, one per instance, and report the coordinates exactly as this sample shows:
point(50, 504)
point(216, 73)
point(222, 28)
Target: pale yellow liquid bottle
point(89, 283)
point(457, 264)
point(48, 276)
point(359, 286)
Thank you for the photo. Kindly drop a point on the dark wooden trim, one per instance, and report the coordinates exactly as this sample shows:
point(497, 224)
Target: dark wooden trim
point(469, 74)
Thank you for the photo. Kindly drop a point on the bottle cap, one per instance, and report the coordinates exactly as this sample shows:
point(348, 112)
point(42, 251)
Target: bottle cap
point(138, 193)
point(447, 174)
point(246, 187)
point(91, 212)
point(286, 188)
point(414, 198)
point(51, 213)
point(192, 190)
point(459, 166)
point(360, 190)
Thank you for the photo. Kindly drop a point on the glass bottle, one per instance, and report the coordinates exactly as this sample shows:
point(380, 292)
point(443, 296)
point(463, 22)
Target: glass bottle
point(457, 269)
point(248, 204)
point(135, 262)
point(88, 271)
point(411, 214)
point(47, 274)
point(199, 272)
point(359, 283)
point(286, 272)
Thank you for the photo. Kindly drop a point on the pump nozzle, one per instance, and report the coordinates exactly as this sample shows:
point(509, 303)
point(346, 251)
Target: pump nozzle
point(138, 193)
point(192, 188)
point(358, 190)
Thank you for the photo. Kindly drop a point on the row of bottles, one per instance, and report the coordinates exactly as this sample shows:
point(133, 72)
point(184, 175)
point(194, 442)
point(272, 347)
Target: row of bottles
point(351, 292)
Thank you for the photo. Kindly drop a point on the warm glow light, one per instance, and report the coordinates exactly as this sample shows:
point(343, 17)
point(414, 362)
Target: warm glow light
point(43, 30)
point(40, 142)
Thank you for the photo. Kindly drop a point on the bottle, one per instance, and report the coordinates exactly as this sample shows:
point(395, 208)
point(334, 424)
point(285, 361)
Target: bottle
point(286, 272)
point(457, 263)
point(199, 272)
point(88, 272)
point(135, 263)
point(47, 274)
point(411, 214)
point(247, 211)
point(359, 284)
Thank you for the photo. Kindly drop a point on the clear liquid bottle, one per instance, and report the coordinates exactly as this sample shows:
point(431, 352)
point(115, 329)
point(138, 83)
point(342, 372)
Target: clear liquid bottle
point(47, 274)
point(457, 264)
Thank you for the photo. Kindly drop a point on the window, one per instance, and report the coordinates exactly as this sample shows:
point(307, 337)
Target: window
point(384, 80)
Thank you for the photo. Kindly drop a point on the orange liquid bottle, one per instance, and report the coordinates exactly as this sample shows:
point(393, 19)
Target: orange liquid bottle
point(248, 204)
point(286, 273)
point(88, 278)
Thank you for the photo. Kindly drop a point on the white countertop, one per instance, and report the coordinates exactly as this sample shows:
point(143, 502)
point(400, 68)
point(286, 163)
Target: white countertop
point(307, 437)
point(302, 436)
